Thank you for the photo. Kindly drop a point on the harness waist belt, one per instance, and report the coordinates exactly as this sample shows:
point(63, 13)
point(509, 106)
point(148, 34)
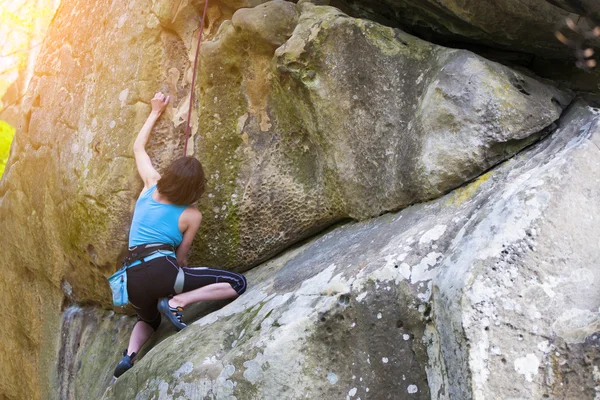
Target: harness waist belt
point(144, 250)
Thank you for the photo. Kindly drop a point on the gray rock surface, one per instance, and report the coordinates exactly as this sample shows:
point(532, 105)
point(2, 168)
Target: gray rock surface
point(521, 284)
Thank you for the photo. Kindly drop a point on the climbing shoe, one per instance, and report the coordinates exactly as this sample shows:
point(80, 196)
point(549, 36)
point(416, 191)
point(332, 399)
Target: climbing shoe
point(174, 315)
point(125, 364)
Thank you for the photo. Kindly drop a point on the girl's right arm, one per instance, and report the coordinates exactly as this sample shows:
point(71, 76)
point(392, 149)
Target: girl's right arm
point(144, 166)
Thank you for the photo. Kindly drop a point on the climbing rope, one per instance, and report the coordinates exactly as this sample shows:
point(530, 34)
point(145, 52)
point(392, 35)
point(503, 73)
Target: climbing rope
point(187, 126)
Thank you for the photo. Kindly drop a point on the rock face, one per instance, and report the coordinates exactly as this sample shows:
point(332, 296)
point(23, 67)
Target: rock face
point(67, 193)
point(345, 119)
point(490, 291)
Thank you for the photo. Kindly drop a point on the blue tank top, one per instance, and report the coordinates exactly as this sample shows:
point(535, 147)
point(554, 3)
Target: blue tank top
point(155, 222)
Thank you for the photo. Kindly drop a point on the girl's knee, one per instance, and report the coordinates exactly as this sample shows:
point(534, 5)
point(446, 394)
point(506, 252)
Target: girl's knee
point(241, 284)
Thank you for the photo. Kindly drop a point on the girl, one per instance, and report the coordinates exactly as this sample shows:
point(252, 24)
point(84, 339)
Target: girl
point(165, 219)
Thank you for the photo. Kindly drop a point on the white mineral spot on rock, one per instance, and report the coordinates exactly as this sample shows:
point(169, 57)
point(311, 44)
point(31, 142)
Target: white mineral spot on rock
point(353, 325)
point(123, 96)
point(575, 324)
point(121, 20)
point(67, 288)
point(228, 370)
point(267, 323)
point(421, 272)
point(253, 372)
point(412, 389)
point(403, 377)
point(405, 270)
point(185, 369)
point(318, 284)
point(406, 336)
point(379, 316)
point(419, 79)
point(433, 234)
point(384, 360)
point(112, 124)
point(163, 390)
point(332, 378)
point(94, 123)
point(527, 366)
point(210, 360)
point(367, 390)
point(351, 393)
point(544, 346)
point(153, 22)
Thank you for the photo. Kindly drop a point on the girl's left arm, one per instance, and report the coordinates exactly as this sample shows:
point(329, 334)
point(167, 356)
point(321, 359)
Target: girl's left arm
point(191, 219)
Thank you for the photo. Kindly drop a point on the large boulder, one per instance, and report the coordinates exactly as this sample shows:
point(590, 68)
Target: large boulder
point(345, 119)
point(488, 292)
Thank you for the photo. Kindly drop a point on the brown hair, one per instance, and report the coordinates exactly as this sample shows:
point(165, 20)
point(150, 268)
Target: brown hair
point(183, 182)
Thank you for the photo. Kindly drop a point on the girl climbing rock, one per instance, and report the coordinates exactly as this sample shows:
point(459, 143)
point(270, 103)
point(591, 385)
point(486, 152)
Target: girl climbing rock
point(165, 222)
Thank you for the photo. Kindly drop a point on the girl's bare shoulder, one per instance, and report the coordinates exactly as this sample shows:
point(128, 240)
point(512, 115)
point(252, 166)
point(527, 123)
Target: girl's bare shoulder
point(191, 213)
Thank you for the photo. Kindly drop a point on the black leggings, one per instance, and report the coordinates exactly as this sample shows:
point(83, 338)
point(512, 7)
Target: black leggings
point(153, 280)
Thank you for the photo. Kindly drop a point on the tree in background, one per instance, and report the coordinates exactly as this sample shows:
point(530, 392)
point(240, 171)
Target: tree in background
point(23, 24)
point(7, 133)
point(580, 37)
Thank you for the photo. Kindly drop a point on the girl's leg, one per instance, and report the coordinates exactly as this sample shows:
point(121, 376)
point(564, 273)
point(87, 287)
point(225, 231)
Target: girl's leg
point(201, 284)
point(215, 291)
point(140, 335)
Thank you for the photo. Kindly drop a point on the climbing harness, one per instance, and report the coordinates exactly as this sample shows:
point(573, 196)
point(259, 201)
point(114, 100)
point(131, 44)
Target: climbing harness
point(118, 280)
point(187, 125)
